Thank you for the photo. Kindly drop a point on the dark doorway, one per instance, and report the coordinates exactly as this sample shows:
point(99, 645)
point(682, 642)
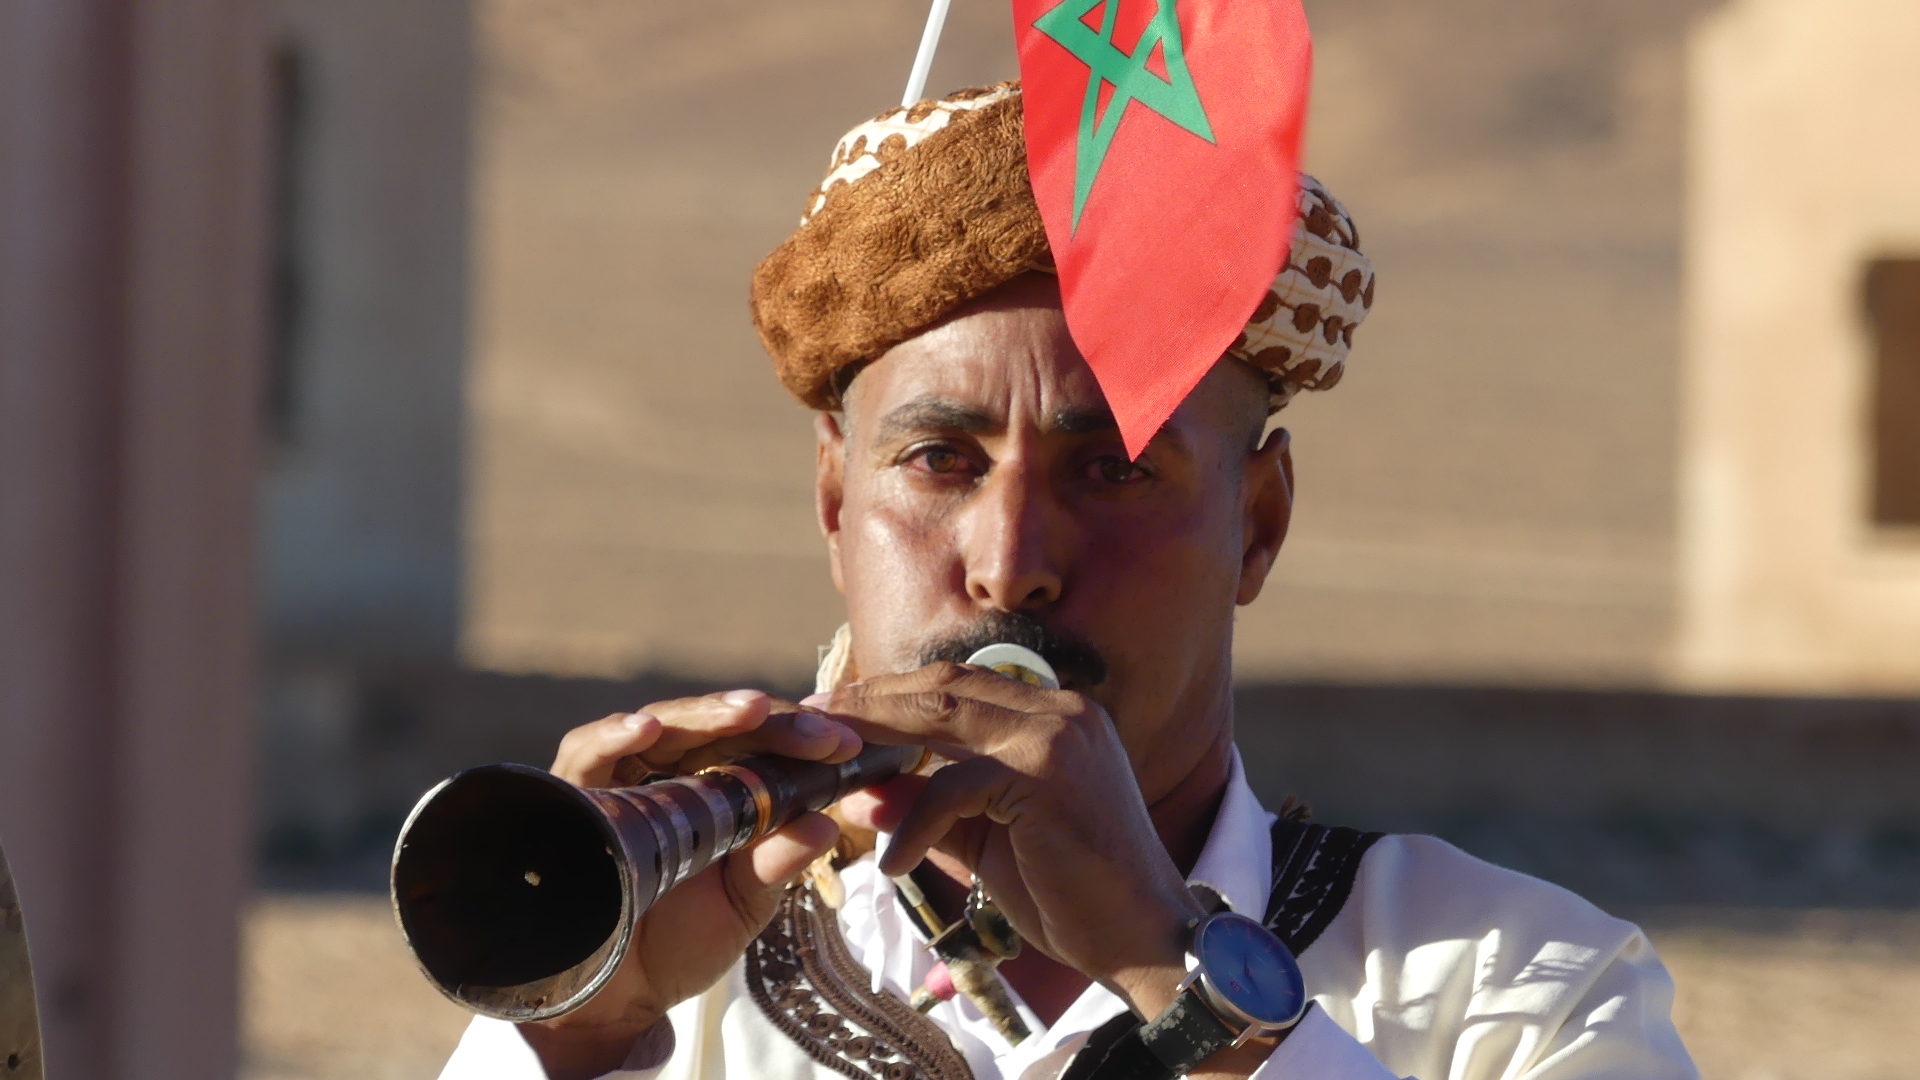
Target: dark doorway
point(1893, 306)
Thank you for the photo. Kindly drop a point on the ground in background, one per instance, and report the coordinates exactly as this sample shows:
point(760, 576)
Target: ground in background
point(1814, 995)
point(329, 993)
point(1822, 995)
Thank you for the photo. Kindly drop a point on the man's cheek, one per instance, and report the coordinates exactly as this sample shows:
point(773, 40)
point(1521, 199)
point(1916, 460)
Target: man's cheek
point(904, 548)
point(900, 577)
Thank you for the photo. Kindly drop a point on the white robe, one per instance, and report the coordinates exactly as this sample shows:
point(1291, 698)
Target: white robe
point(1439, 966)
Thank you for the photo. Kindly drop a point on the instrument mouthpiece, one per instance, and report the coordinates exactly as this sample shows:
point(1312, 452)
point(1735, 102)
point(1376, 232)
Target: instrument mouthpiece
point(1017, 662)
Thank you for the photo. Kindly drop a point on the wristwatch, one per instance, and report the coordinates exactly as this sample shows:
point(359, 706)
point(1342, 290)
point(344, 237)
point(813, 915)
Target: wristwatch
point(1244, 984)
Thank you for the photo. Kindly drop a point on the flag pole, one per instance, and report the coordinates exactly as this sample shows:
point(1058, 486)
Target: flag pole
point(923, 60)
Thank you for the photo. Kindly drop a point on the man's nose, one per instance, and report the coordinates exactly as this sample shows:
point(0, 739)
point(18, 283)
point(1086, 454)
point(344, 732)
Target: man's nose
point(1015, 531)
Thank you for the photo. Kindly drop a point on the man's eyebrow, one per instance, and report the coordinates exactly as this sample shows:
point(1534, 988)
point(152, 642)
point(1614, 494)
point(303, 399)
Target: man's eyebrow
point(933, 414)
point(941, 414)
point(1098, 420)
point(1083, 421)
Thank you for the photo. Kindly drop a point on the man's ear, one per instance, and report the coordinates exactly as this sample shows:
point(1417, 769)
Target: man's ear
point(1268, 498)
point(830, 485)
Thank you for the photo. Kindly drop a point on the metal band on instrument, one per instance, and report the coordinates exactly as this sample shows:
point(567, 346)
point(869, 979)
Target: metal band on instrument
point(682, 828)
point(726, 824)
point(849, 769)
point(757, 788)
point(662, 843)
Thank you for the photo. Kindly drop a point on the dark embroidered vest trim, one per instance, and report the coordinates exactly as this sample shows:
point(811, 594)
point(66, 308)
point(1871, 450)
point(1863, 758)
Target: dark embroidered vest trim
point(802, 977)
point(1313, 871)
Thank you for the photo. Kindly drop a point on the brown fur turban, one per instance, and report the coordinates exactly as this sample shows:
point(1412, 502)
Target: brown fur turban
point(926, 208)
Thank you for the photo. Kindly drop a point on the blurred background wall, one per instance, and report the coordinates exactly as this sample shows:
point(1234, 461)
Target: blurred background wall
point(1801, 454)
point(1496, 502)
point(530, 465)
point(363, 409)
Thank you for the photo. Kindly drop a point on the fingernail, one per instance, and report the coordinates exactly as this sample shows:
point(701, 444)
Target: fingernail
point(742, 697)
point(817, 700)
point(890, 860)
point(813, 725)
point(634, 720)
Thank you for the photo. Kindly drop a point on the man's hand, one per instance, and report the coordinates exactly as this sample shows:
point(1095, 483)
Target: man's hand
point(1041, 804)
point(699, 929)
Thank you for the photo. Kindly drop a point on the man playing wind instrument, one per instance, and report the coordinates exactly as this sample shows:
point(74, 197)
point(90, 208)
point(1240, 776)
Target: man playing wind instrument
point(981, 479)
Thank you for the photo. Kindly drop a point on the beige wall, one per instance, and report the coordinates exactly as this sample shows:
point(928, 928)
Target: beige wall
point(1488, 496)
point(641, 485)
point(1804, 166)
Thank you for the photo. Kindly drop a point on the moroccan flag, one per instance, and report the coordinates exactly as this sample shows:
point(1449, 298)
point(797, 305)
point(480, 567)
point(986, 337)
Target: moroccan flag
point(1163, 137)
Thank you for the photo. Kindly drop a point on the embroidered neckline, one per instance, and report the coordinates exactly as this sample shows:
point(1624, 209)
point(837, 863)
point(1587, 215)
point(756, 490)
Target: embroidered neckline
point(801, 975)
point(803, 978)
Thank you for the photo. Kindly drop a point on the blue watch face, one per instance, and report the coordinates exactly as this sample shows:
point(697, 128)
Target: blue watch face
point(1250, 968)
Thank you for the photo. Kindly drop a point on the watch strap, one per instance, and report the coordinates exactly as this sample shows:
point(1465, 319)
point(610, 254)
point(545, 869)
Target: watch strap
point(1186, 1033)
point(1087, 1062)
point(1170, 1045)
point(1125, 1057)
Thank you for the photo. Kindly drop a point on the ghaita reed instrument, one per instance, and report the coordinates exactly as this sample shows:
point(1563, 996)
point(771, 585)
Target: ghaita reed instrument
point(518, 892)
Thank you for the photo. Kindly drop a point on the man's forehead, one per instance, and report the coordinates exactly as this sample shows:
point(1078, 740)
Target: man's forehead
point(983, 378)
point(985, 368)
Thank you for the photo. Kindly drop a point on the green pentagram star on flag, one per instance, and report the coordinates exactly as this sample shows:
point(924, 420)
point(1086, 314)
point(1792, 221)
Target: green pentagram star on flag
point(1173, 97)
point(1166, 223)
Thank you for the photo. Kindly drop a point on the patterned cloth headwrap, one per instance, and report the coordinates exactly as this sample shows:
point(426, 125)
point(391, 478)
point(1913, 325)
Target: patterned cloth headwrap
point(926, 208)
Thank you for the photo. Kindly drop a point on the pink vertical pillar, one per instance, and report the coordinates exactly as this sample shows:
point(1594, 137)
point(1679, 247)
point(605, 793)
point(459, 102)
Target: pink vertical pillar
point(131, 202)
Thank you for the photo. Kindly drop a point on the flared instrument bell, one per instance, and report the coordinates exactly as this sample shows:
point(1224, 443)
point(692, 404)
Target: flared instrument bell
point(516, 890)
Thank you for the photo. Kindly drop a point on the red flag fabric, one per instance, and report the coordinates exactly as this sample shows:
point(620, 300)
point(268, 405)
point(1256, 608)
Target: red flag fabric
point(1163, 139)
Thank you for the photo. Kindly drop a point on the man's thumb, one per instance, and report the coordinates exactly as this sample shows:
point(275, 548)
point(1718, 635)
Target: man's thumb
point(762, 872)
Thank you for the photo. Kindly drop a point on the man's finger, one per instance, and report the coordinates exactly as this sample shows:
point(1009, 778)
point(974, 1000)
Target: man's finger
point(967, 789)
point(883, 806)
point(757, 875)
point(695, 722)
point(802, 733)
point(964, 680)
point(588, 753)
point(954, 725)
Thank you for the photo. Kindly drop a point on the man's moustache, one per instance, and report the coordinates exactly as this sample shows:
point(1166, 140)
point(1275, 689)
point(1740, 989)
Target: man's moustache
point(1079, 665)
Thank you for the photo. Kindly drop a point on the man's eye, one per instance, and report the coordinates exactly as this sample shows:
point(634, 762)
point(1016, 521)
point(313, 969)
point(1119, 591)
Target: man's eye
point(1118, 470)
point(939, 459)
point(947, 461)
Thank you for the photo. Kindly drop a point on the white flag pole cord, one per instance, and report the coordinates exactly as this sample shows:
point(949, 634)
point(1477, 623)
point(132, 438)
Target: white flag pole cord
point(923, 61)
